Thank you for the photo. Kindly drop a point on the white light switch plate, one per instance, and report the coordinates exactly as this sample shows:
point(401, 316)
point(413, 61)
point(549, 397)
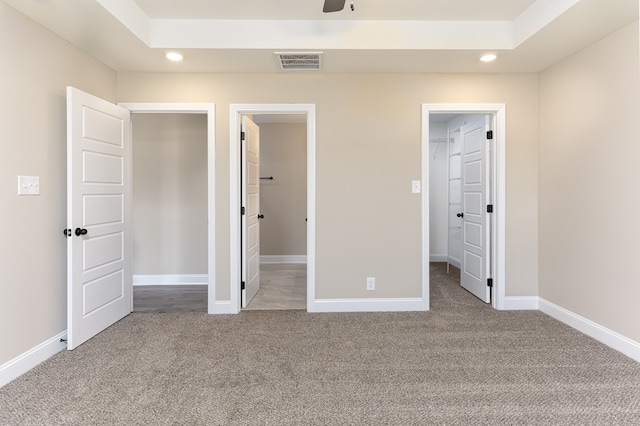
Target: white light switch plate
point(28, 185)
point(415, 186)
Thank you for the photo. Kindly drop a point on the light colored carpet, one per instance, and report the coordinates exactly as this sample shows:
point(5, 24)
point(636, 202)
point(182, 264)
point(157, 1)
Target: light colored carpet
point(461, 363)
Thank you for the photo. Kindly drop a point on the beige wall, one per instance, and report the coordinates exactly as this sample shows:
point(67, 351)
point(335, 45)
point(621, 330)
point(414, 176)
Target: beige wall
point(169, 215)
point(368, 151)
point(36, 68)
point(589, 202)
point(283, 200)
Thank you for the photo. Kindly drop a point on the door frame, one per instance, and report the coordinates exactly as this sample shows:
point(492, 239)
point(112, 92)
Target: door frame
point(498, 189)
point(209, 110)
point(235, 118)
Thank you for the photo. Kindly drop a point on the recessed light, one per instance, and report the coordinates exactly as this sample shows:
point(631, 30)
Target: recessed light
point(488, 57)
point(174, 56)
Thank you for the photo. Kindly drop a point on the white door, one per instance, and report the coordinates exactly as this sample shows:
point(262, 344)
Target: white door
point(475, 256)
point(251, 210)
point(99, 291)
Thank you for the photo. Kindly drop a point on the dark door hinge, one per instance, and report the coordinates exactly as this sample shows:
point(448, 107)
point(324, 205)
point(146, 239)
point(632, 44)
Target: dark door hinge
point(489, 208)
point(242, 136)
point(490, 282)
point(242, 211)
point(242, 285)
point(489, 134)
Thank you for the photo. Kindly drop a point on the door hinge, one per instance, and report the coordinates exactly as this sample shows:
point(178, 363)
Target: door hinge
point(242, 136)
point(489, 134)
point(242, 285)
point(242, 211)
point(490, 282)
point(489, 208)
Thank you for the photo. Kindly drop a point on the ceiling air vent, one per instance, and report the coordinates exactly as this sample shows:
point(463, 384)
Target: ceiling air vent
point(299, 61)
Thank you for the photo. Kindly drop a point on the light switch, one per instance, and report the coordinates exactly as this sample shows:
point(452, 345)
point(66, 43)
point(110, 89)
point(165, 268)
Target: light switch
point(28, 185)
point(415, 186)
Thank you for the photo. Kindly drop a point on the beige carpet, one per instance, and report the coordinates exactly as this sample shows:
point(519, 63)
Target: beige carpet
point(461, 363)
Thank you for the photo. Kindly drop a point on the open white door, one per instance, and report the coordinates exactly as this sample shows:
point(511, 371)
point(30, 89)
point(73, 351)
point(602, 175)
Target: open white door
point(475, 229)
point(250, 209)
point(99, 291)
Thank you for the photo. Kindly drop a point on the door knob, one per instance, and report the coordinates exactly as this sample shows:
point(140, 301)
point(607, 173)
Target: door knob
point(81, 231)
point(460, 215)
point(260, 216)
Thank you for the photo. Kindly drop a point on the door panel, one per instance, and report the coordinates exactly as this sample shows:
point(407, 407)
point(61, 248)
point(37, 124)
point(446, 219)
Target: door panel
point(473, 234)
point(251, 203)
point(475, 256)
point(100, 251)
point(103, 209)
point(98, 199)
point(102, 292)
point(100, 168)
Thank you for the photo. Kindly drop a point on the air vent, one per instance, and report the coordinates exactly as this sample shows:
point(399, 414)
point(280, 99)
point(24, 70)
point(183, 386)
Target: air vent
point(299, 61)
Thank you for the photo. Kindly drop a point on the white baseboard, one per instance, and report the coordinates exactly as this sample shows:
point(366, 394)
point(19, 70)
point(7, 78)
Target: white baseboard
point(291, 258)
point(367, 305)
point(25, 362)
point(222, 307)
point(181, 279)
point(610, 338)
point(521, 303)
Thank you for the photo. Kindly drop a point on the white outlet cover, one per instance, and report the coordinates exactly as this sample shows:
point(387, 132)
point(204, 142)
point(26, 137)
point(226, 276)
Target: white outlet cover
point(371, 283)
point(415, 186)
point(28, 185)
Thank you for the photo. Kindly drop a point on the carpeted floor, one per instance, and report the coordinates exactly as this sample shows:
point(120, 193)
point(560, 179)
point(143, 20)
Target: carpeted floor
point(461, 363)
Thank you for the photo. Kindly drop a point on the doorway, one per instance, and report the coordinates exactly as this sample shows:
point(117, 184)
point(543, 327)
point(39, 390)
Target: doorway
point(192, 285)
point(472, 246)
point(306, 115)
point(282, 212)
point(169, 212)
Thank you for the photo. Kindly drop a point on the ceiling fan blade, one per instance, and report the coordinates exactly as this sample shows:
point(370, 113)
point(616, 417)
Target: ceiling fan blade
point(333, 5)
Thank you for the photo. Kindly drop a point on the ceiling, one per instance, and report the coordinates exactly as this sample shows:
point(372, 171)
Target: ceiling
point(436, 36)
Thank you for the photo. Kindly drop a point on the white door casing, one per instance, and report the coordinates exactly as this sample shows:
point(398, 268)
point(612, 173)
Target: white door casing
point(98, 213)
point(475, 256)
point(251, 209)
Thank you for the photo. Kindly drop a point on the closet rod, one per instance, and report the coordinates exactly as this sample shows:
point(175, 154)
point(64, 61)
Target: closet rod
point(267, 178)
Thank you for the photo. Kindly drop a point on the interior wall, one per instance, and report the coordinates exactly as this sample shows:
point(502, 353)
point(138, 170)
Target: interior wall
point(283, 200)
point(35, 71)
point(169, 203)
point(589, 207)
point(368, 151)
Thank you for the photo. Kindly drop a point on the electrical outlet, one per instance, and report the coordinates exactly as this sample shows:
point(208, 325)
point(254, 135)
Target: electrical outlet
point(371, 283)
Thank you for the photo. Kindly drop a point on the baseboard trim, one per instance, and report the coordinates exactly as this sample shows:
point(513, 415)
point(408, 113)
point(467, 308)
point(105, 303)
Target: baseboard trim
point(21, 364)
point(521, 303)
point(292, 258)
point(610, 338)
point(367, 305)
point(222, 307)
point(437, 258)
point(179, 279)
